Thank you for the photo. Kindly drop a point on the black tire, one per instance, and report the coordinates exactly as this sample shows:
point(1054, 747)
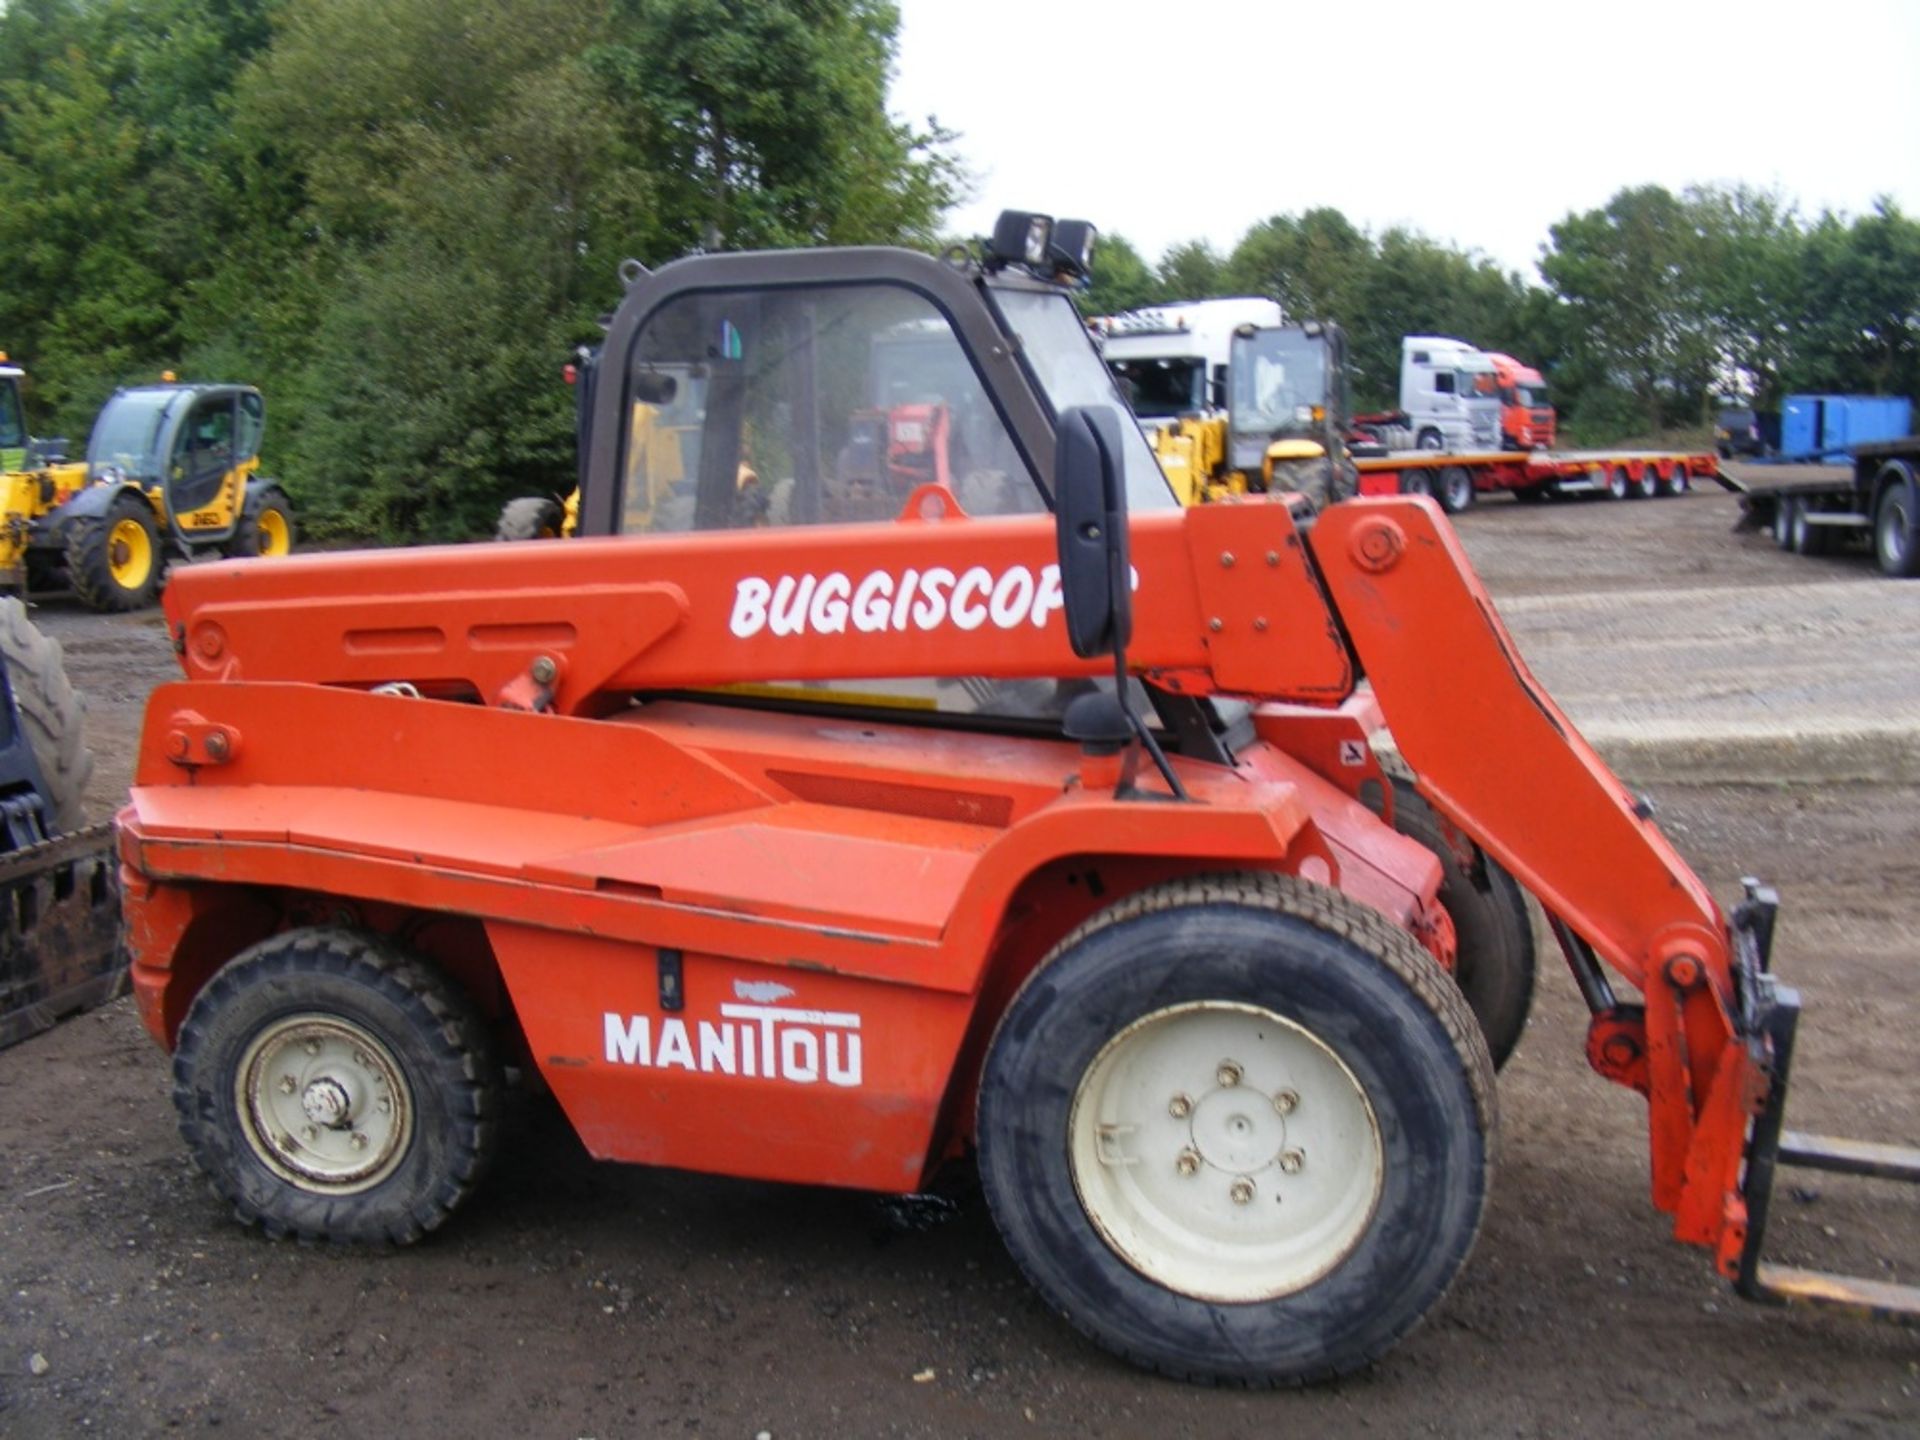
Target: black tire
point(1677, 482)
point(1455, 486)
point(1618, 486)
point(1806, 538)
point(1430, 440)
point(91, 557)
point(1495, 961)
point(255, 534)
point(430, 1039)
point(52, 715)
point(1416, 482)
point(531, 517)
point(1782, 526)
point(1246, 946)
point(1896, 524)
point(1646, 486)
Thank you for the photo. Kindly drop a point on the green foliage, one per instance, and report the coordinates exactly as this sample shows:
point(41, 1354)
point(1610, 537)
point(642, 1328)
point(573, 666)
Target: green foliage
point(1119, 279)
point(398, 216)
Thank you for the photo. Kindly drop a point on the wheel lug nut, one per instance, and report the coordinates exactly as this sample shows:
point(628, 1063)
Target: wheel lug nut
point(1284, 1101)
point(385, 1106)
point(363, 1060)
point(1291, 1161)
point(1229, 1074)
point(309, 1133)
point(359, 1141)
point(1188, 1162)
point(1180, 1107)
point(288, 1085)
point(313, 1047)
point(1241, 1191)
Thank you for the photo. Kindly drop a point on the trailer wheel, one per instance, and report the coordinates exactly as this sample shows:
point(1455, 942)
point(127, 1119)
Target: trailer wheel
point(1896, 524)
point(1455, 484)
point(1678, 482)
point(1781, 525)
point(1644, 485)
point(1804, 537)
point(1416, 482)
point(1201, 1148)
point(1494, 967)
point(333, 1088)
point(1617, 486)
point(531, 517)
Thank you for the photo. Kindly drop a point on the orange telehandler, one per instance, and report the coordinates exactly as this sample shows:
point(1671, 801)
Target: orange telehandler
point(833, 852)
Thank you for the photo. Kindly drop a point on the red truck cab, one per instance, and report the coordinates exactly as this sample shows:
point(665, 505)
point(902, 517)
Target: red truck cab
point(1526, 418)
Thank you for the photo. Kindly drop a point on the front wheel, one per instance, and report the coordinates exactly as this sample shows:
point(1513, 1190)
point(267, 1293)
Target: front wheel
point(1493, 933)
point(1431, 440)
point(1200, 1148)
point(114, 559)
point(1896, 526)
point(333, 1088)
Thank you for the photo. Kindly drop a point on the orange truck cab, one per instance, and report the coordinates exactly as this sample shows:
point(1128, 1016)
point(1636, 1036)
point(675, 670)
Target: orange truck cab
point(1003, 809)
point(1527, 420)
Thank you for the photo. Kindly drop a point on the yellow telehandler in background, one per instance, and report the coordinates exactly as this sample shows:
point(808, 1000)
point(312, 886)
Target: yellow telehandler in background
point(172, 471)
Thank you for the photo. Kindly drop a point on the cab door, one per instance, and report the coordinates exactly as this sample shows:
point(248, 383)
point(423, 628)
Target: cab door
point(211, 451)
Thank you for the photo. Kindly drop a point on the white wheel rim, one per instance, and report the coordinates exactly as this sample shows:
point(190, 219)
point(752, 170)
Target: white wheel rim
point(1224, 1152)
point(323, 1104)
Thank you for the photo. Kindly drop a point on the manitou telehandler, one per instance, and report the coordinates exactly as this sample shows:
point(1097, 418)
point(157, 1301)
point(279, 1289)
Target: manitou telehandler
point(834, 852)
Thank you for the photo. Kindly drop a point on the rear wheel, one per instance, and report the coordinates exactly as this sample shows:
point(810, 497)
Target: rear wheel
point(1198, 1147)
point(1494, 961)
point(113, 559)
point(1455, 486)
point(1617, 484)
point(1896, 525)
point(1416, 482)
point(334, 1088)
point(51, 714)
point(1805, 537)
point(1677, 482)
point(266, 524)
point(1644, 485)
point(531, 517)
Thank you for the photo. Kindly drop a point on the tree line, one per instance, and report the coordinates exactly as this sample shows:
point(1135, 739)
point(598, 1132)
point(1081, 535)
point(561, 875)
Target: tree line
point(1646, 313)
point(398, 217)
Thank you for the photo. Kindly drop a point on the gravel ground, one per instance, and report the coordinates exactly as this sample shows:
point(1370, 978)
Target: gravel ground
point(573, 1298)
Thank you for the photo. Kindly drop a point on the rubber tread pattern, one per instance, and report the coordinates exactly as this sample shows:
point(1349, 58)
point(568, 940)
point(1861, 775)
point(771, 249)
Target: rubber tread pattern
point(441, 1017)
point(52, 714)
point(1347, 920)
point(88, 568)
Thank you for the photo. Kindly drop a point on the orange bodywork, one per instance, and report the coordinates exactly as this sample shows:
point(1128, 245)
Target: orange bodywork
point(774, 941)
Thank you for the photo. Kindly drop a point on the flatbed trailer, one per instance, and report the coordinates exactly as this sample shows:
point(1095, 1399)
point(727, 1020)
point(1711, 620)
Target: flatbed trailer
point(1455, 479)
point(1878, 503)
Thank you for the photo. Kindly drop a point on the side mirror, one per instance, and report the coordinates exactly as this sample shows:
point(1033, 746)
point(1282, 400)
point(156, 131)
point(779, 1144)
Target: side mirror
point(1090, 520)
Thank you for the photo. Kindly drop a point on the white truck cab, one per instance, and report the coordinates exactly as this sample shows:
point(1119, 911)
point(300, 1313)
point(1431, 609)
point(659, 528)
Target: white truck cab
point(1450, 393)
point(1172, 359)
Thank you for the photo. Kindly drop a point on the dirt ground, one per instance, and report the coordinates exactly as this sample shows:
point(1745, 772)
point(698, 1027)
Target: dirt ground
point(578, 1299)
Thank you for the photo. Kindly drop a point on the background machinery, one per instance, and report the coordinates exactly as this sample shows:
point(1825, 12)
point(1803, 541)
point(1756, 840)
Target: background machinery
point(172, 471)
point(59, 903)
point(840, 850)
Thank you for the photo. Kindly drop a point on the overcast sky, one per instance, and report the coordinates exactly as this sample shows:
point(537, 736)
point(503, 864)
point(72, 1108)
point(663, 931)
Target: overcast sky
point(1480, 124)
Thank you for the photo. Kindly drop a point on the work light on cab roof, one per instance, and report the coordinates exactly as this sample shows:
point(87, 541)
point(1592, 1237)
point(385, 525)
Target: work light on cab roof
point(1052, 249)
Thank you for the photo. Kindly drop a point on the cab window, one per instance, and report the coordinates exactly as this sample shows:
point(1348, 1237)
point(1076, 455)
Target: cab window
point(13, 431)
point(816, 405)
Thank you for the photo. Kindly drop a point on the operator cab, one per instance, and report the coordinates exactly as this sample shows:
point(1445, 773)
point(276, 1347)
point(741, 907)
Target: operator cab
point(188, 440)
point(857, 387)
